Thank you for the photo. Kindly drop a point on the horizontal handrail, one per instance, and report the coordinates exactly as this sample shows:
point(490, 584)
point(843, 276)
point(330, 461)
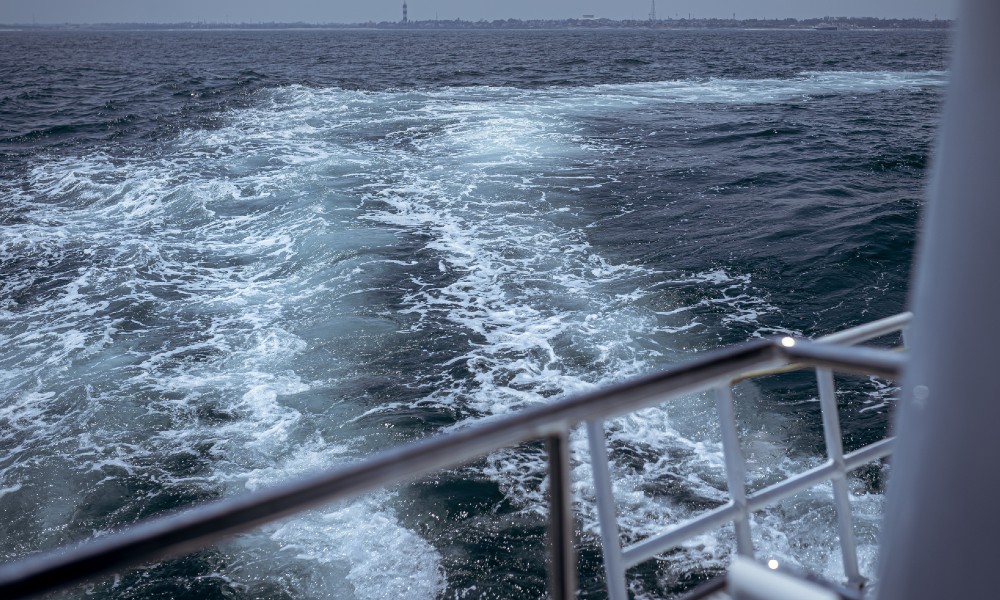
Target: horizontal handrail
point(203, 525)
point(657, 544)
point(807, 479)
point(847, 337)
point(869, 331)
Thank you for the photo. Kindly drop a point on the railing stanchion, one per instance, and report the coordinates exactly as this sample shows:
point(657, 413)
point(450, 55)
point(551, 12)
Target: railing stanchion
point(735, 469)
point(562, 562)
point(841, 495)
point(614, 567)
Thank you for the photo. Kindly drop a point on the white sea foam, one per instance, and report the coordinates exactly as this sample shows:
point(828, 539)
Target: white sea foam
point(753, 91)
point(360, 541)
point(206, 296)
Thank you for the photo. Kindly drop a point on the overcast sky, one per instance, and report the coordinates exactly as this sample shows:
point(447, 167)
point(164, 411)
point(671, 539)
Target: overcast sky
point(356, 11)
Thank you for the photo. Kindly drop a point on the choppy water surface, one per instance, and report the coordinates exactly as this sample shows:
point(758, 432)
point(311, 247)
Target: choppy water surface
point(227, 259)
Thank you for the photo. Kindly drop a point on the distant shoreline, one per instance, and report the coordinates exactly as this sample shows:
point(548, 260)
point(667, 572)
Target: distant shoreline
point(826, 23)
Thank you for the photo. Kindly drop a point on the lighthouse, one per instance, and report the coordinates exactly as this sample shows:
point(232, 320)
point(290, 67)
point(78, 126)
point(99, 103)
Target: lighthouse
point(404, 12)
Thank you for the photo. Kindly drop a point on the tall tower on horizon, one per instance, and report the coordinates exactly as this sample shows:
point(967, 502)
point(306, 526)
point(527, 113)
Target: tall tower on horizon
point(404, 12)
point(652, 10)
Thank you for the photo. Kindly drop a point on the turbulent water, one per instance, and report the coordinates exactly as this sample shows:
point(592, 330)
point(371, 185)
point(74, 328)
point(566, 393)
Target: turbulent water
point(231, 258)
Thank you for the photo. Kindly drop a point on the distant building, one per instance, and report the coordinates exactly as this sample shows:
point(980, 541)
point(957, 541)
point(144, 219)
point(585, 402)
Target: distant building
point(588, 16)
point(405, 20)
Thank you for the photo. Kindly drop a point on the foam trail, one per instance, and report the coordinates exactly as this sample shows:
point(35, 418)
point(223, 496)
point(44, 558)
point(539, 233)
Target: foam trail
point(215, 316)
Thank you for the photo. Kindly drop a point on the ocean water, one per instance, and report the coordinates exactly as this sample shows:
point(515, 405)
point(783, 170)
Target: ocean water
point(231, 258)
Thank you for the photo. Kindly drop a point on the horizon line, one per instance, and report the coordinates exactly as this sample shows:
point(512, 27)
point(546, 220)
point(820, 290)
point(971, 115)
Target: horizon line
point(585, 18)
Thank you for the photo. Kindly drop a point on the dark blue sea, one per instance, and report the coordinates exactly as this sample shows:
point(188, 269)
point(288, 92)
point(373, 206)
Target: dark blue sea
point(232, 258)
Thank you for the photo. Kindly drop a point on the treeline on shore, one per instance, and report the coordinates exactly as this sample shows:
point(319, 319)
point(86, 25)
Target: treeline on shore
point(828, 23)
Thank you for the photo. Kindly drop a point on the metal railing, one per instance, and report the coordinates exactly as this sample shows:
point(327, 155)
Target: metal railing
point(203, 525)
point(835, 469)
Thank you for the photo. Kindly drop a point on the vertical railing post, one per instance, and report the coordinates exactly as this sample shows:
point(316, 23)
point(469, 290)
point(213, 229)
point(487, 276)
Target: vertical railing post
point(841, 494)
point(735, 468)
point(614, 566)
point(562, 562)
